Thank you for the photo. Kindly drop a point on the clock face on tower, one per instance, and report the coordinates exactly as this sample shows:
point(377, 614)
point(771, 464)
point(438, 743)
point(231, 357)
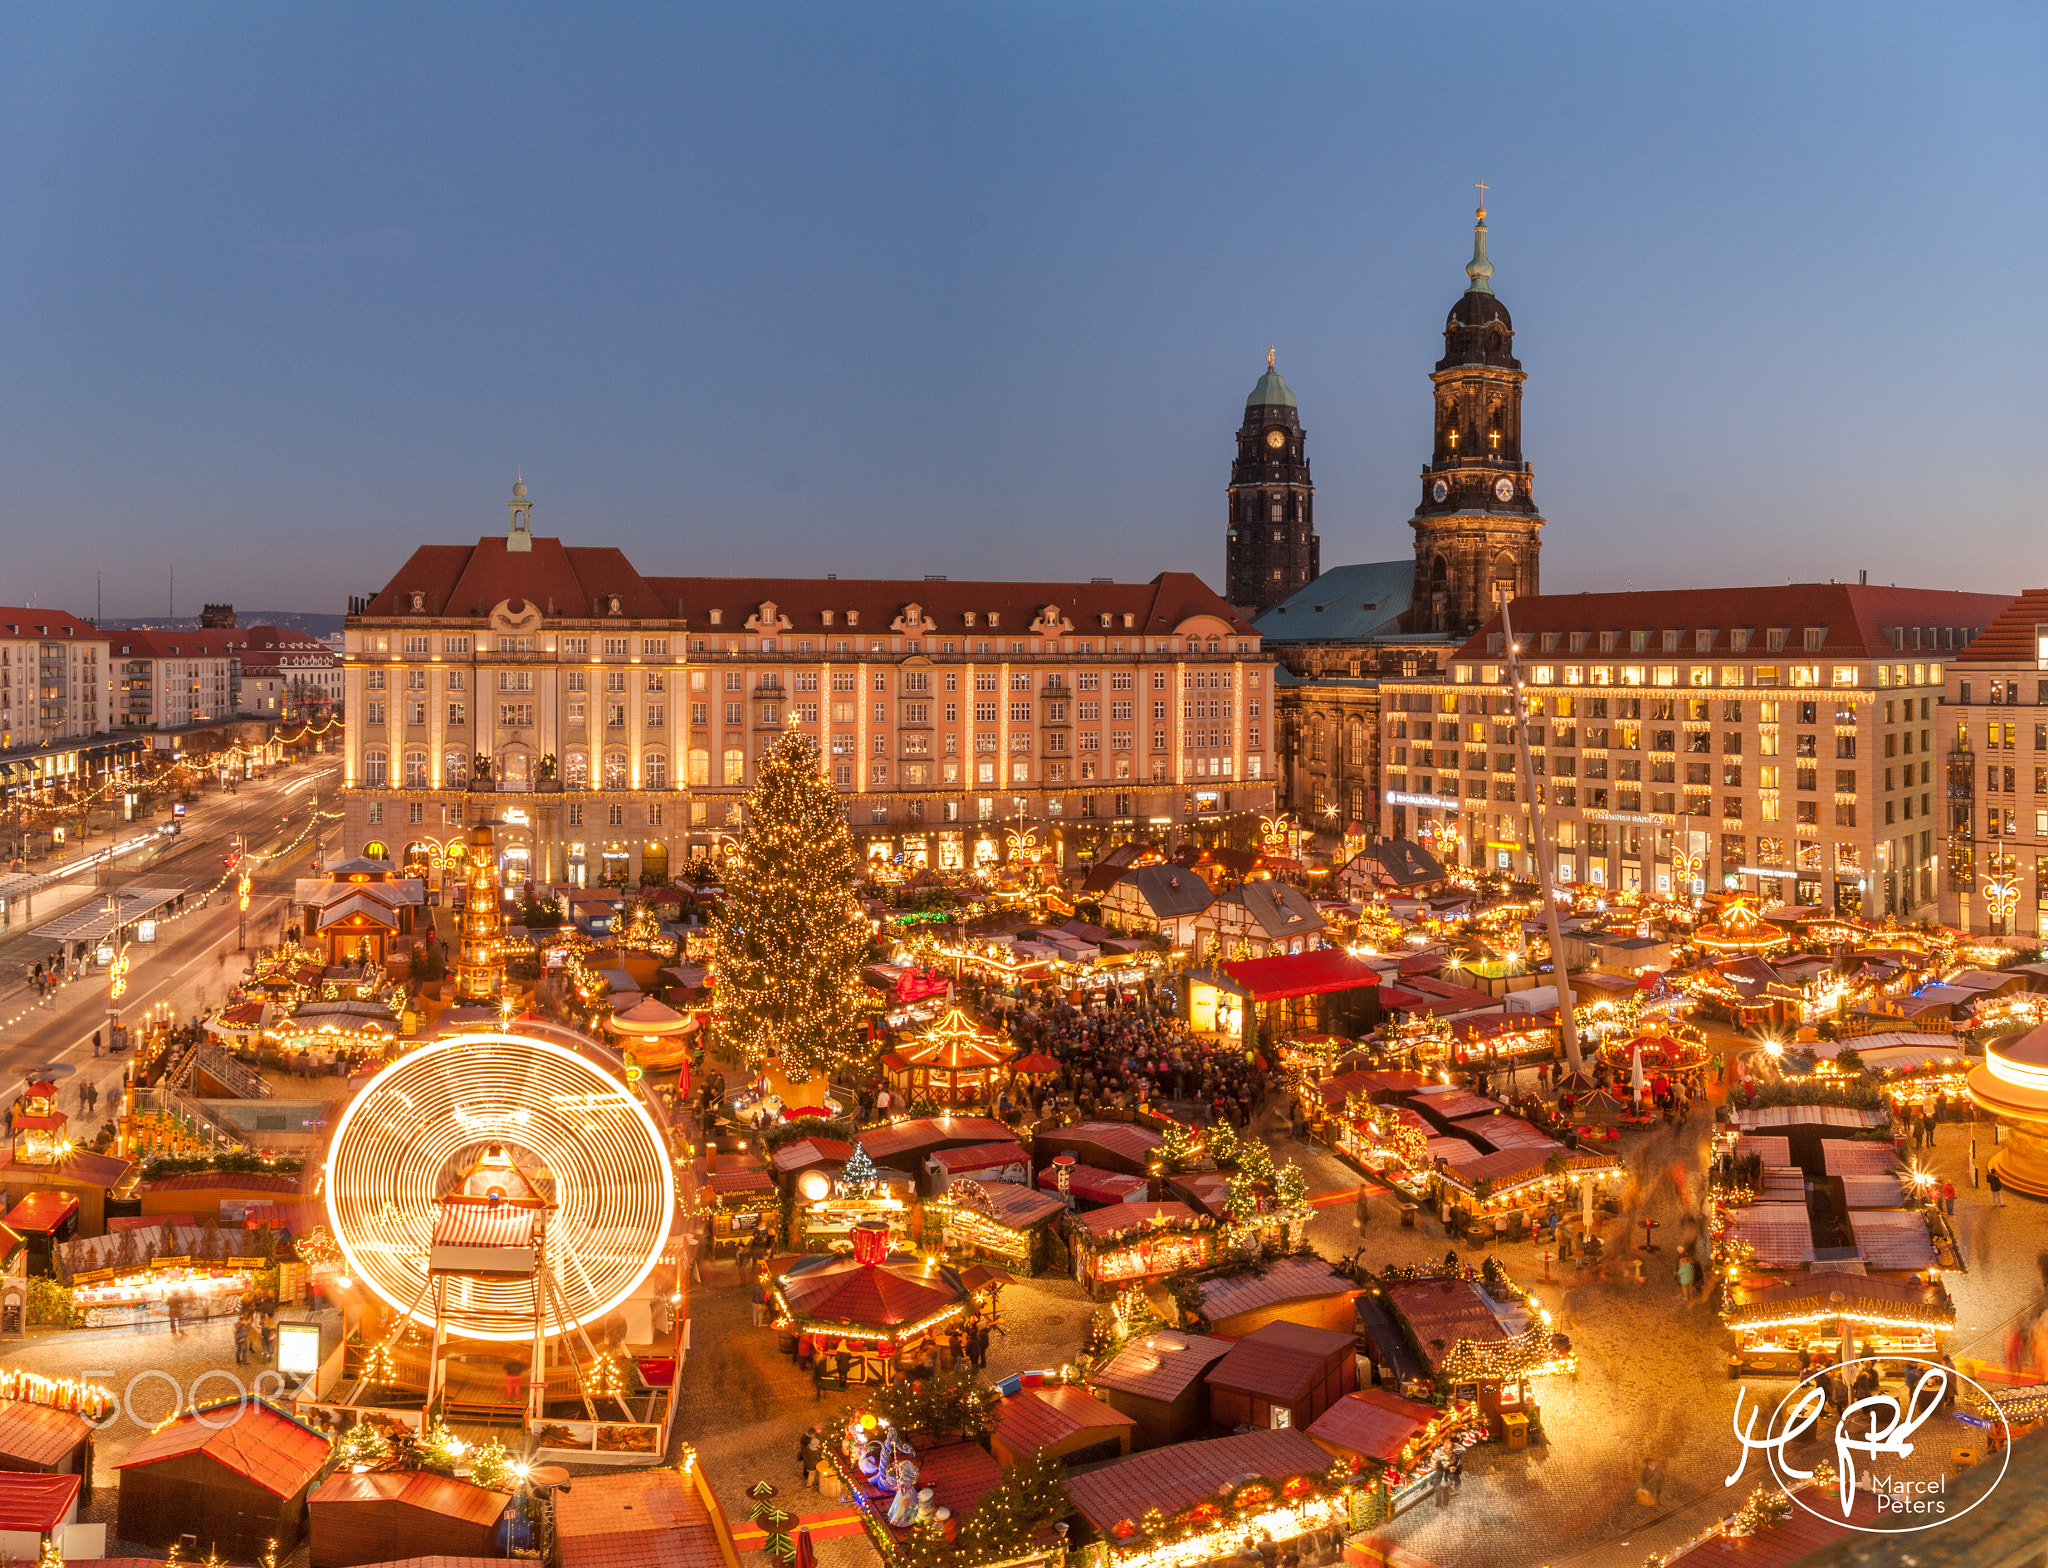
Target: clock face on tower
point(1439, 491)
point(1504, 490)
point(1276, 439)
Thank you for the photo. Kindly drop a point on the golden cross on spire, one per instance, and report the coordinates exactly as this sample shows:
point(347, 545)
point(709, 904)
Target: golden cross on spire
point(1269, 358)
point(1481, 187)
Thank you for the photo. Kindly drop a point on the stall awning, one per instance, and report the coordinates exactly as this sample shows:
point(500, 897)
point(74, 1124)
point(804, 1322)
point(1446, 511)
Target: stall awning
point(1293, 974)
point(40, 1213)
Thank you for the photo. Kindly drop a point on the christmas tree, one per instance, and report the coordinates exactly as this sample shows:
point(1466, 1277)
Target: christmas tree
point(792, 937)
point(857, 1177)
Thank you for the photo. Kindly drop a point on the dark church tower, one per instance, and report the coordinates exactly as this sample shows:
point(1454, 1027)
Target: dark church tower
point(1273, 548)
point(1476, 529)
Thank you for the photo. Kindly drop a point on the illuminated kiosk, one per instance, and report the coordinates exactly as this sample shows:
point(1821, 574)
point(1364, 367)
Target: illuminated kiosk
point(2012, 1088)
point(501, 1191)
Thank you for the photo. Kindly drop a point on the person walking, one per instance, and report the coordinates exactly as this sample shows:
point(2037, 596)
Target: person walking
point(1440, 1478)
point(95, 1042)
point(1997, 1186)
point(1687, 1274)
point(242, 1339)
point(817, 1373)
point(267, 1324)
point(1948, 1199)
point(1973, 1161)
point(1458, 1469)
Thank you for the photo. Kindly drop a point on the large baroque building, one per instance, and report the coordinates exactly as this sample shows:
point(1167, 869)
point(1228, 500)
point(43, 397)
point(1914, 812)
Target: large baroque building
point(1995, 737)
point(1786, 740)
point(1476, 538)
point(612, 721)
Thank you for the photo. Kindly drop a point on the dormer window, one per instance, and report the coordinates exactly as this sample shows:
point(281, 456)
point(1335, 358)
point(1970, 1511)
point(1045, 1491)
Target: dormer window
point(967, 618)
point(718, 617)
point(1130, 620)
point(827, 617)
point(994, 619)
point(853, 617)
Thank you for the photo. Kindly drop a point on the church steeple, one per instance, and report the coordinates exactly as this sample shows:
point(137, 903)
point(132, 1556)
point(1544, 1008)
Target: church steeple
point(1476, 527)
point(1271, 546)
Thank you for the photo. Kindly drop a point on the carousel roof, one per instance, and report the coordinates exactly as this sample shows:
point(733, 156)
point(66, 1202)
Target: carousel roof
point(648, 1016)
point(869, 1295)
point(1740, 928)
point(957, 1042)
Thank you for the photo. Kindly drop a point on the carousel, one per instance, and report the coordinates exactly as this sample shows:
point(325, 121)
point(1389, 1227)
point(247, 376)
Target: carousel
point(878, 1306)
point(955, 1062)
point(656, 1035)
point(1740, 929)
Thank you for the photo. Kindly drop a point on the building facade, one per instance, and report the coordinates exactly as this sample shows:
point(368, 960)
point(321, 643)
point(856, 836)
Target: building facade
point(167, 680)
point(612, 722)
point(54, 682)
point(1781, 740)
point(285, 675)
point(1271, 547)
point(1996, 773)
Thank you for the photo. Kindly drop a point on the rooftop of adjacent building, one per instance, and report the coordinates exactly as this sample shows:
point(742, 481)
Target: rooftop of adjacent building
point(21, 620)
point(1856, 620)
point(2015, 637)
point(1345, 604)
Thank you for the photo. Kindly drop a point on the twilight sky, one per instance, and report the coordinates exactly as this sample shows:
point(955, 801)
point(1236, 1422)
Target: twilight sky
point(889, 289)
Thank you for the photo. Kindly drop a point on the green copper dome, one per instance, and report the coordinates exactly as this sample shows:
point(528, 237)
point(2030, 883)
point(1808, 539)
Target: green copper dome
point(1271, 390)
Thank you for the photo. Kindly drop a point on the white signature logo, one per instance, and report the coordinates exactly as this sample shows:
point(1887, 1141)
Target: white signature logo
point(1872, 1427)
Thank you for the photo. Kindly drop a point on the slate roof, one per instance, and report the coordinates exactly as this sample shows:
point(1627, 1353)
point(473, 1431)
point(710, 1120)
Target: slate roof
point(1398, 863)
point(1173, 1478)
point(1345, 604)
point(1170, 892)
point(1160, 1365)
point(1279, 909)
point(1280, 1361)
point(252, 1438)
point(634, 1519)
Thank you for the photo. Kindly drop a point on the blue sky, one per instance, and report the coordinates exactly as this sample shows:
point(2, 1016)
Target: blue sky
point(979, 289)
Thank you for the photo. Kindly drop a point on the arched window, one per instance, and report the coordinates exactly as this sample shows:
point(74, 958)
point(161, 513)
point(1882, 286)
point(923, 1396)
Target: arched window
point(735, 767)
point(700, 768)
point(1354, 744)
point(654, 770)
point(576, 770)
point(415, 770)
point(376, 769)
point(615, 770)
point(454, 769)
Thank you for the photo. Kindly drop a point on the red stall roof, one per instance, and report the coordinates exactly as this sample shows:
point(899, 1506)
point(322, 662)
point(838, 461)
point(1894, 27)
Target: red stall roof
point(35, 1502)
point(1301, 974)
point(40, 1213)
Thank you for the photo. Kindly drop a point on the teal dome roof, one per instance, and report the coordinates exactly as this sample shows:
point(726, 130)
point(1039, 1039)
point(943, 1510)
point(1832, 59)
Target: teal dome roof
point(1270, 390)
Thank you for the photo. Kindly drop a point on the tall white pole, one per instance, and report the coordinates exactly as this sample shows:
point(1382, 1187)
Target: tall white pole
point(1545, 851)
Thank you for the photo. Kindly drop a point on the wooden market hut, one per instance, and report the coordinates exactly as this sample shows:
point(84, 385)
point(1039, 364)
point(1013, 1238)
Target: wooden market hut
point(1007, 1161)
point(236, 1474)
point(905, 1146)
point(1156, 1380)
point(1129, 1242)
point(1301, 1290)
point(955, 1062)
point(87, 1177)
point(643, 1518)
point(1083, 1187)
point(45, 1440)
point(1061, 1422)
point(1283, 1374)
point(1372, 1426)
point(875, 1302)
point(995, 1222)
point(372, 1518)
point(34, 1509)
point(203, 1192)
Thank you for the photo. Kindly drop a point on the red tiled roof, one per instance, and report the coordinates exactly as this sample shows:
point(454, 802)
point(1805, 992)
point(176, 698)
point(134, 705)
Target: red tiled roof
point(410, 1562)
point(253, 1438)
point(1856, 616)
point(1173, 1478)
point(1290, 1279)
point(1093, 1185)
point(741, 1181)
point(876, 1296)
point(1372, 1422)
point(20, 620)
point(423, 1489)
point(37, 1434)
point(903, 1137)
point(806, 1152)
point(1126, 1216)
point(1160, 1364)
point(1124, 1142)
point(169, 643)
point(981, 1156)
point(959, 1474)
point(2010, 638)
point(1280, 1361)
point(216, 1181)
point(1038, 1418)
point(1301, 974)
point(1445, 1309)
point(1018, 1207)
point(35, 1502)
point(635, 1519)
point(41, 1212)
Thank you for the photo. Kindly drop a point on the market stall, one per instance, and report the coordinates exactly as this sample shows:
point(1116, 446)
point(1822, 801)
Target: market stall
point(876, 1305)
point(1126, 1243)
point(831, 1208)
point(1381, 1435)
point(955, 1062)
point(994, 1222)
point(743, 1200)
point(1790, 1325)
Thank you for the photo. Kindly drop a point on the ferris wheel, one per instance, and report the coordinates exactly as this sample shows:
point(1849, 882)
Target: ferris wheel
point(572, 1137)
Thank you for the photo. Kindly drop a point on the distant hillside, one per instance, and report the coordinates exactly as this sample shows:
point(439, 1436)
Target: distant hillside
point(292, 620)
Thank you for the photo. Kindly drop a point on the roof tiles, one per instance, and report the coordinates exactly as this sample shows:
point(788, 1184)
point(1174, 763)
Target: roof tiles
point(252, 1438)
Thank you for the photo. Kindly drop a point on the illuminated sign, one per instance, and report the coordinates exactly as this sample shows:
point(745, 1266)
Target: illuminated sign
point(1776, 873)
point(298, 1349)
point(1627, 816)
point(1396, 797)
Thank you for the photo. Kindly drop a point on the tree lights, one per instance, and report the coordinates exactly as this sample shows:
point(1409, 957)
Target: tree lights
point(791, 937)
